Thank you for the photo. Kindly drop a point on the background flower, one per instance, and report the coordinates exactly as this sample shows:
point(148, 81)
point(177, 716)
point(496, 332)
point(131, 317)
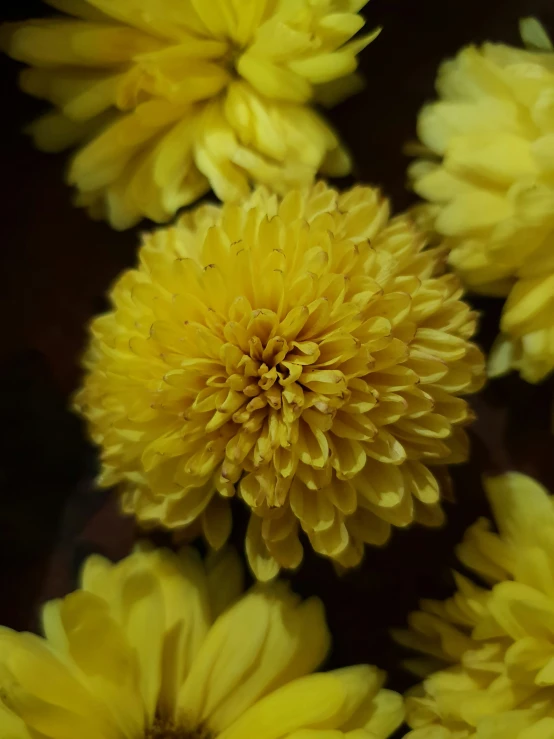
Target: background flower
point(272, 349)
point(161, 646)
point(495, 643)
point(488, 174)
point(168, 98)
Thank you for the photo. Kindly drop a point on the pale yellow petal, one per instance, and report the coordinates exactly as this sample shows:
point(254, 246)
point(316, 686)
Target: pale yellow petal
point(501, 358)
point(260, 560)
point(226, 656)
point(273, 81)
point(44, 693)
point(296, 643)
point(310, 702)
point(82, 628)
point(520, 505)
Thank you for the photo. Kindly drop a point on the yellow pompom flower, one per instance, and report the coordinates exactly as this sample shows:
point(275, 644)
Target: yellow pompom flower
point(489, 176)
point(492, 647)
point(273, 350)
point(169, 98)
point(163, 646)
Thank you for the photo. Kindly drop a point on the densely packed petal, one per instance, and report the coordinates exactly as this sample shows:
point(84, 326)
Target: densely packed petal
point(169, 98)
point(489, 650)
point(488, 176)
point(307, 353)
point(164, 646)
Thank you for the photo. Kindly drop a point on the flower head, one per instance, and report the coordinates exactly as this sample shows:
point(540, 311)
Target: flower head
point(167, 98)
point(492, 647)
point(488, 174)
point(161, 646)
point(271, 349)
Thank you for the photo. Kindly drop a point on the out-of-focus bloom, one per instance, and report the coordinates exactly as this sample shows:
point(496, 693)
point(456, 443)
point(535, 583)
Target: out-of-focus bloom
point(167, 98)
point(492, 647)
point(161, 646)
point(307, 353)
point(489, 176)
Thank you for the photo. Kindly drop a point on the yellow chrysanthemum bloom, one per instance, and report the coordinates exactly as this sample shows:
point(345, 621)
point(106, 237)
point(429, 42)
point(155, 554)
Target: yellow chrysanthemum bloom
point(489, 177)
point(161, 646)
point(168, 98)
point(492, 647)
point(270, 348)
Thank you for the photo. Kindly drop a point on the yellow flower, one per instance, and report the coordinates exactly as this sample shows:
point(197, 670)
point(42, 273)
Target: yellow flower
point(489, 176)
point(495, 643)
point(168, 98)
point(161, 646)
point(271, 349)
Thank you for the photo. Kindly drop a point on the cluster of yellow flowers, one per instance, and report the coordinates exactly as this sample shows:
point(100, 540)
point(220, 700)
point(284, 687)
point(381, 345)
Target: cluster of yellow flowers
point(302, 350)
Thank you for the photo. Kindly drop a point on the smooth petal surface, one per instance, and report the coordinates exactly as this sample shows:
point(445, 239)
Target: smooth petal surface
point(163, 644)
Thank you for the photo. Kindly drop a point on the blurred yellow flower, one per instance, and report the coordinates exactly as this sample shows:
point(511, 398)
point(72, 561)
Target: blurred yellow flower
point(271, 349)
point(161, 646)
point(168, 98)
point(488, 173)
point(492, 648)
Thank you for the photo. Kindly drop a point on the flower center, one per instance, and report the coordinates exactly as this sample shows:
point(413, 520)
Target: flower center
point(275, 376)
point(286, 376)
point(230, 59)
point(165, 729)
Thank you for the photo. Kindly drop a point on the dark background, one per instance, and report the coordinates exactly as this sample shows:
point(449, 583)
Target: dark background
point(56, 265)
